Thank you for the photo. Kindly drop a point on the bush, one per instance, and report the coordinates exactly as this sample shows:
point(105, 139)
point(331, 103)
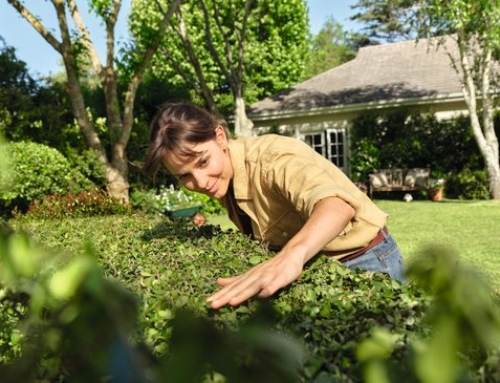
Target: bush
point(76, 317)
point(88, 164)
point(364, 158)
point(406, 139)
point(468, 184)
point(84, 204)
point(39, 170)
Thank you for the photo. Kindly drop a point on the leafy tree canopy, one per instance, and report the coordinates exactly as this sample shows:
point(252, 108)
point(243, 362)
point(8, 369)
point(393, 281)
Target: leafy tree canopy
point(275, 44)
point(30, 108)
point(328, 49)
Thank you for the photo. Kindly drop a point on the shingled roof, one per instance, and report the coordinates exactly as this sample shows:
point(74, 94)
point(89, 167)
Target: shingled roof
point(398, 71)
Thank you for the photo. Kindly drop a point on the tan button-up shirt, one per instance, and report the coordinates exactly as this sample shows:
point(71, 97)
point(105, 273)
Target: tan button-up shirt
point(278, 180)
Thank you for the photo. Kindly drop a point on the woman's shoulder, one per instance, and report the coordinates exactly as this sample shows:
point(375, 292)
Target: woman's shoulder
point(270, 142)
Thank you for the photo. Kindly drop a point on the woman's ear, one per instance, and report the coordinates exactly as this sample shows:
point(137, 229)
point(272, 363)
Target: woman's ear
point(220, 135)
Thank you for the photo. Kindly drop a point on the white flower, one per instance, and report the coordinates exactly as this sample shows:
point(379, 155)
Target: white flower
point(436, 183)
point(170, 198)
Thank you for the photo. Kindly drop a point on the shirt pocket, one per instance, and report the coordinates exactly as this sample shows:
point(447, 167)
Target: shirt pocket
point(282, 229)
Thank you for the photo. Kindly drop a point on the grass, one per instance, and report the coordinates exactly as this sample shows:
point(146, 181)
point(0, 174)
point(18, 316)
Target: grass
point(471, 228)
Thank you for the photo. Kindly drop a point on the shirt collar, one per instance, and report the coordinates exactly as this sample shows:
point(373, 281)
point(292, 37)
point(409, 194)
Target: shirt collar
point(240, 175)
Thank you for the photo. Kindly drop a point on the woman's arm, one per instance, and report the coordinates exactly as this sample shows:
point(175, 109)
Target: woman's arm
point(329, 217)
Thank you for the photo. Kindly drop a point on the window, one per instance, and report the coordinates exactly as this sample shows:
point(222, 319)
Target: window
point(330, 144)
point(317, 142)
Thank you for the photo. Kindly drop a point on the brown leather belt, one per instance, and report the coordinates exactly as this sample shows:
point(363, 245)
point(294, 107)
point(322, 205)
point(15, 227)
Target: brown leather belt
point(374, 242)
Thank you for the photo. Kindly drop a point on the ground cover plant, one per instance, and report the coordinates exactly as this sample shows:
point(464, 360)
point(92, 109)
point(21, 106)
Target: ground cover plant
point(328, 312)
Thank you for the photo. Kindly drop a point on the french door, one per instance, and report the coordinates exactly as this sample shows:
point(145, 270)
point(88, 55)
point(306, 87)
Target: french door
point(332, 144)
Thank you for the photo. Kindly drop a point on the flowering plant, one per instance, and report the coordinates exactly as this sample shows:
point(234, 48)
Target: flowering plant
point(436, 183)
point(170, 198)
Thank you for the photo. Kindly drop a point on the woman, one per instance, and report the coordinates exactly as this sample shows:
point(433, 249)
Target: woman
point(278, 190)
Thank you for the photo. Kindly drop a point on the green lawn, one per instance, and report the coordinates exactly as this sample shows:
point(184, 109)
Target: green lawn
point(472, 228)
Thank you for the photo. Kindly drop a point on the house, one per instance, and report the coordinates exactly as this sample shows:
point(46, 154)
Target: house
point(417, 75)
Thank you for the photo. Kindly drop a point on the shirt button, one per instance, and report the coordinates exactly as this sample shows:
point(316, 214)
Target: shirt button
point(285, 234)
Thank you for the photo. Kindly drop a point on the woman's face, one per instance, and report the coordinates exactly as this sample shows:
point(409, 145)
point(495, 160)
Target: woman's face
point(209, 172)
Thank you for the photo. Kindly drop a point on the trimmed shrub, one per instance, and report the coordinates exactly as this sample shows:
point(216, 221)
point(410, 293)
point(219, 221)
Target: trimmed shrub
point(329, 310)
point(87, 163)
point(77, 318)
point(39, 170)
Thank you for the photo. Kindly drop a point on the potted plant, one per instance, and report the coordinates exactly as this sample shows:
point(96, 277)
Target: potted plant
point(435, 190)
point(176, 203)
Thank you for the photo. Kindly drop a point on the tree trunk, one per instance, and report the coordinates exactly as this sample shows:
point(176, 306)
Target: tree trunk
point(119, 125)
point(117, 180)
point(242, 124)
point(484, 135)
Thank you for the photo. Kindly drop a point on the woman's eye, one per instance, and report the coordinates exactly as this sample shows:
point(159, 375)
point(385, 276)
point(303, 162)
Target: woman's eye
point(203, 162)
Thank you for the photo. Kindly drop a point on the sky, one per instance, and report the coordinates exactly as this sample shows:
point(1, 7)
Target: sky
point(43, 60)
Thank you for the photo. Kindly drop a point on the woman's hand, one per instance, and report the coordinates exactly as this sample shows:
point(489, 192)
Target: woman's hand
point(262, 280)
point(329, 217)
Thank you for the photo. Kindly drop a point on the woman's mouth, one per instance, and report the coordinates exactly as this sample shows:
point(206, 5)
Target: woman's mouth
point(213, 189)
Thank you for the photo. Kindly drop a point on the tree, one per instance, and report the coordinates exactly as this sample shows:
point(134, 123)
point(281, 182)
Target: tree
point(328, 49)
point(230, 63)
point(16, 90)
point(475, 30)
point(387, 21)
point(245, 49)
point(77, 44)
point(470, 33)
point(31, 109)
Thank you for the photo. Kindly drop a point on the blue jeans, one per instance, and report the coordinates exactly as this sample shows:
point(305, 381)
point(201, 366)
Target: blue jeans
point(385, 257)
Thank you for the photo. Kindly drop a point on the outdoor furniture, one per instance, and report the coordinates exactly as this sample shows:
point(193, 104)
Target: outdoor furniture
point(390, 180)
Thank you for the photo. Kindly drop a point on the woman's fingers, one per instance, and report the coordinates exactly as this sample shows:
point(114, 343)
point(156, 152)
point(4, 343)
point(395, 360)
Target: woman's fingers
point(237, 290)
point(262, 280)
point(225, 281)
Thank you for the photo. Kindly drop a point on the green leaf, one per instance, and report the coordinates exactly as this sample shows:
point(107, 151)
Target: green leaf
point(64, 284)
point(256, 259)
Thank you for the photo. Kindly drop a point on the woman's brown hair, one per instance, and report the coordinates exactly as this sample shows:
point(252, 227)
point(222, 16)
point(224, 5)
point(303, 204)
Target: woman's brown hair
point(173, 128)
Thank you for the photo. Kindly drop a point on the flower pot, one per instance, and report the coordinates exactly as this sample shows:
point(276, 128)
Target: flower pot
point(435, 194)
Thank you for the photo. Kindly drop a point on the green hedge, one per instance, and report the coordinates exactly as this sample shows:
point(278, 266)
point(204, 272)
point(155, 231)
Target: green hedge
point(323, 328)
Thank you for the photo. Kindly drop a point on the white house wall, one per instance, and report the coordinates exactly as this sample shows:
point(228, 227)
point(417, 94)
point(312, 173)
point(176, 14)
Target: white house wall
point(305, 122)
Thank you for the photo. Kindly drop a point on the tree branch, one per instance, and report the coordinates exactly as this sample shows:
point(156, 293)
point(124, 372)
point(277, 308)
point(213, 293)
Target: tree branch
point(84, 33)
point(205, 90)
point(141, 68)
point(36, 23)
point(74, 88)
point(224, 68)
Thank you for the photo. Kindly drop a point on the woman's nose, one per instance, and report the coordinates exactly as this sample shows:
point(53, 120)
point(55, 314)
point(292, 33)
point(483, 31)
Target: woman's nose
point(200, 180)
